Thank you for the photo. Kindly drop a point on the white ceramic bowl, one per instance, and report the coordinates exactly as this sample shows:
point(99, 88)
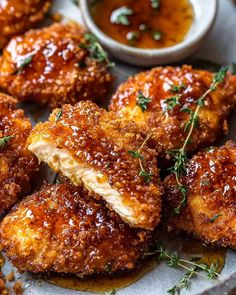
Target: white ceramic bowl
point(204, 16)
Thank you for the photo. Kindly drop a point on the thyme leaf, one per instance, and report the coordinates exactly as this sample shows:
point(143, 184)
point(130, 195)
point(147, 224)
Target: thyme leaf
point(178, 88)
point(146, 175)
point(143, 101)
point(172, 102)
point(59, 114)
point(111, 292)
point(4, 141)
point(135, 154)
point(157, 35)
point(120, 16)
point(216, 216)
point(155, 4)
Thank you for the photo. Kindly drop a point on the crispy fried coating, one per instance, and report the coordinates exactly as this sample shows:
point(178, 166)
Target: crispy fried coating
point(17, 164)
point(167, 126)
point(210, 212)
point(92, 147)
point(61, 229)
point(48, 66)
point(17, 16)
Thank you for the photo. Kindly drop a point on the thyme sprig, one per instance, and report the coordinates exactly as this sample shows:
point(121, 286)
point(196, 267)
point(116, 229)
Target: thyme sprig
point(4, 141)
point(143, 101)
point(137, 154)
point(179, 155)
point(95, 49)
point(192, 268)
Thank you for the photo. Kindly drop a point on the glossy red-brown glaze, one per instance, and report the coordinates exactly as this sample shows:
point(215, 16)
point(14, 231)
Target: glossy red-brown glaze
point(211, 183)
point(59, 72)
point(62, 229)
point(17, 164)
point(98, 138)
point(167, 127)
point(17, 16)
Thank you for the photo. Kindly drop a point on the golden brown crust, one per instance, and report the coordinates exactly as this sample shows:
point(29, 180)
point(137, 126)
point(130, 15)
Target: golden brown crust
point(211, 183)
point(61, 229)
point(103, 141)
point(168, 129)
point(17, 164)
point(17, 16)
point(60, 71)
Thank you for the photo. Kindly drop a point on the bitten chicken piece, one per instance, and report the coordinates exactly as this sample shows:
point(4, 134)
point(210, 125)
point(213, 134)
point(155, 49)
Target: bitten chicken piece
point(93, 147)
point(17, 16)
point(62, 229)
point(210, 211)
point(155, 101)
point(49, 66)
point(17, 164)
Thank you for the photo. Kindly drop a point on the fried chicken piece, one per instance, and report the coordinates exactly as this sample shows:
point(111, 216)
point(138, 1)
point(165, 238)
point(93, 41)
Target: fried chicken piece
point(17, 164)
point(210, 211)
point(17, 16)
point(62, 229)
point(92, 147)
point(49, 66)
point(166, 125)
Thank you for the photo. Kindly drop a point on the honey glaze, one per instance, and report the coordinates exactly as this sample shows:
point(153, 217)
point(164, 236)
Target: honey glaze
point(144, 23)
point(103, 283)
point(190, 248)
point(205, 254)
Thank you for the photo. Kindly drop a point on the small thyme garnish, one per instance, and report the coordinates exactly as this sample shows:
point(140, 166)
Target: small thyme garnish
point(157, 35)
point(111, 292)
point(143, 101)
point(179, 155)
point(192, 268)
point(205, 183)
point(95, 49)
point(120, 16)
point(59, 114)
point(216, 216)
point(178, 88)
point(147, 176)
point(24, 63)
point(155, 4)
point(4, 141)
point(172, 102)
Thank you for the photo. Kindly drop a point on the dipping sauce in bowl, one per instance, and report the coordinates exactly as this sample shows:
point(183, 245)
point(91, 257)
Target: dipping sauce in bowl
point(146, 24)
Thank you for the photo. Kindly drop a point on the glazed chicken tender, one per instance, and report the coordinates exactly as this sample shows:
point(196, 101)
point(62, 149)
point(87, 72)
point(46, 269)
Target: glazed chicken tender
point(17, 164)
point(163, 93)
point(62, 229)
point(17, 16)
point(210, 212)
point(49, 66)
point(93, 147)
